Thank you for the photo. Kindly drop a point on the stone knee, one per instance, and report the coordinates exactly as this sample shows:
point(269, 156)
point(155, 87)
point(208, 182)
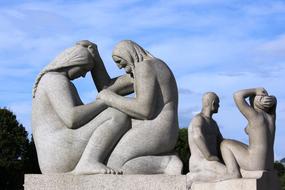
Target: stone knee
point(117, 160)
point(120, 119)
point(229, 158)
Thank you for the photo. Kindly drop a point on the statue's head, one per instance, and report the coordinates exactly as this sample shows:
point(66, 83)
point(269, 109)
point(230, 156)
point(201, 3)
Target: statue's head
point(263, 102)
point(211, 101)
point(127, 53)
point(75, 61)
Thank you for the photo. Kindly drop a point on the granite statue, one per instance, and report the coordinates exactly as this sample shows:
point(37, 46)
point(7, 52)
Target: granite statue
point(148, 146)
point(216, 159)
point(71, 136)
point(204, 137)
point(260, 113)
point(113, 133)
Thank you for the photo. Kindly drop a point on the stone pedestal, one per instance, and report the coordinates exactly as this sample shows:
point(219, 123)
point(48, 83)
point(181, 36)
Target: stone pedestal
point(258, 180)
point(104, 182)
point(267, 181)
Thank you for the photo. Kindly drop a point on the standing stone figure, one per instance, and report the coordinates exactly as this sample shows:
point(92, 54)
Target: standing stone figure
point(70, 136)
point(261, 116)
point(148, 146)
point(204, 141)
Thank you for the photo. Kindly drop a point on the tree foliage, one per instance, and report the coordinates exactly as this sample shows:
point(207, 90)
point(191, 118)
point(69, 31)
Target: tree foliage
point(17, 153)
point(182, 148)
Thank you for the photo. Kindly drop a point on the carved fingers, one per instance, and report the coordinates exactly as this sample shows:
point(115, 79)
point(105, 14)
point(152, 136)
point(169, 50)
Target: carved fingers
point(105, 95)
point(261, 92)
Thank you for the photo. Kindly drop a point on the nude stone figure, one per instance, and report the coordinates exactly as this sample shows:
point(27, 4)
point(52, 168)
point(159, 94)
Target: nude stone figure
point(148, 146)
point(71, 136)
point(204, 139)
point(261, 116)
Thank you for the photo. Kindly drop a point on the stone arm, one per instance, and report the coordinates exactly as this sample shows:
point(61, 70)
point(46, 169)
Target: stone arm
point(122, 85)
point(243, 106)
point(199, 139)
point(64, 99)
point(143, 104)
point(220, 138)
point(272, 110)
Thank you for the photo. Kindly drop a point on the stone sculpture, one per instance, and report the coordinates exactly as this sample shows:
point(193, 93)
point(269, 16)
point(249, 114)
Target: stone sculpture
point(153, 111)
point(261, 116)
point(123, 133)
point(70, 136)
point(253, 161)
point(204, 139)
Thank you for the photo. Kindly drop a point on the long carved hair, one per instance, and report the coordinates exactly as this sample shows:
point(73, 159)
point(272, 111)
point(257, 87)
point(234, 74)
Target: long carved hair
point(80, 54)
point(131, 52)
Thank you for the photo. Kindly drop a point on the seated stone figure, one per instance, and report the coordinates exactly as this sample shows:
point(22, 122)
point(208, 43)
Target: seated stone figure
point(70, 136)
point(261, 116)
point(147, 147)
point(204, 142)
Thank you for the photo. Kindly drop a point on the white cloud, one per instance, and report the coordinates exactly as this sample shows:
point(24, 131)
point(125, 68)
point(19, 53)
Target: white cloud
point(275, 47)
point(220, 46)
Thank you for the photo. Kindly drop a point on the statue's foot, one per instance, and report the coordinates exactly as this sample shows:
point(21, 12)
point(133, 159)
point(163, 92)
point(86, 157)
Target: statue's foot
point(190, 177)
point(174, 167)
point(94, 168)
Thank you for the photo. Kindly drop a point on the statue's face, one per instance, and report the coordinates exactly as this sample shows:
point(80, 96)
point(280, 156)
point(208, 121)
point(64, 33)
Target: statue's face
point(121, 63)
point(216, 105)
point(78, 71)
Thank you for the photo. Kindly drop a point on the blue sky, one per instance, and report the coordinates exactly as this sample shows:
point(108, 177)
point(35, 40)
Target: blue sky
point(218, 45)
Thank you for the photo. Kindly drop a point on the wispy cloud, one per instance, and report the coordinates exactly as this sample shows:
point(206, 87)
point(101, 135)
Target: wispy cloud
point(221, 46)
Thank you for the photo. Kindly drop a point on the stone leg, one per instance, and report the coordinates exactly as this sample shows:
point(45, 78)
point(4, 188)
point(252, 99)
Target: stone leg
point(137, 142)
point(166, 164)
point(111, 128)
point(235, 155)
point(205, 171)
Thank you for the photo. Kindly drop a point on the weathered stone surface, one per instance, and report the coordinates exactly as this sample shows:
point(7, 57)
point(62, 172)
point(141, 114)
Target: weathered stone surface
point(204, 137)
point(112, 134)
point(260, 113)
point(104, 182)
point(267, 181)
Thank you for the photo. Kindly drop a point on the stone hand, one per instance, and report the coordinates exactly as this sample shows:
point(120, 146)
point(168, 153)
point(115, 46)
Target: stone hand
point(261, 92)
point(94, 51)
point(105, 95)
point(268, 101)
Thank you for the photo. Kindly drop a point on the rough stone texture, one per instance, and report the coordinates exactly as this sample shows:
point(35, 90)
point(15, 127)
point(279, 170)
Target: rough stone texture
point(204, 139)
point(72, 137)
point(153, 110)
point(261, 116)
point(268, 181)
point(104, 182)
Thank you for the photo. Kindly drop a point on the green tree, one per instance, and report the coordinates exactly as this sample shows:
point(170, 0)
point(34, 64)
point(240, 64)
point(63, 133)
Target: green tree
point(17, 154)
point(279, 168)
point(31, 165)
point(182, 148)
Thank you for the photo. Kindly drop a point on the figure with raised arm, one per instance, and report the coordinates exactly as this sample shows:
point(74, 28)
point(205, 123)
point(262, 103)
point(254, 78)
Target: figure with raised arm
point(148, 146)
point(71, 136)
point(261, 116)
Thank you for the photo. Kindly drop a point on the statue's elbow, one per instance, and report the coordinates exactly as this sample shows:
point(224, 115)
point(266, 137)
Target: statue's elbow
point(237, 96)
point(146, 114)
point(71, 123)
